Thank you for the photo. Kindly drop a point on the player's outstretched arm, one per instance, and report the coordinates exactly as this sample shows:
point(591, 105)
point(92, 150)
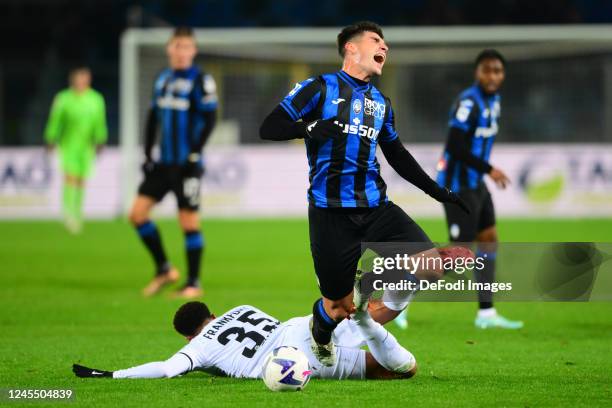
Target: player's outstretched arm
point(86, 372)
point(178, 364)
point(406, 166)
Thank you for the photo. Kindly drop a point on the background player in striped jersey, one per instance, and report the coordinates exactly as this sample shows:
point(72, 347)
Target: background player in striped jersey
point(77, 124)
point(473, 127)
point(342, 118)
point(236, 344)
point(184, 111)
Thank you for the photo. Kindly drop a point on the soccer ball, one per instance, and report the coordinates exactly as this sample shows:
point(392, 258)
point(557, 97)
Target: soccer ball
point(286, 369)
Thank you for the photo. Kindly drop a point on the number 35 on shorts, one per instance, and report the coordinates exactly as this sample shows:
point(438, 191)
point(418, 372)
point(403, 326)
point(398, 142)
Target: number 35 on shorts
point(191, 190)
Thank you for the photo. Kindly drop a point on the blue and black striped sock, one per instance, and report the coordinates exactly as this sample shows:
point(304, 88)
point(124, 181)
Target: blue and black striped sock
point(194, 244)
point(150, 237)
point(322, 324)
point(486, 275)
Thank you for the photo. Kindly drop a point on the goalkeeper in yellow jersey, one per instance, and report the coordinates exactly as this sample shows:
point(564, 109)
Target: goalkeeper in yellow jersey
point(77, 125)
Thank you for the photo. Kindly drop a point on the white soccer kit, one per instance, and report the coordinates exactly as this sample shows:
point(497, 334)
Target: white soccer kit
point(237, 342)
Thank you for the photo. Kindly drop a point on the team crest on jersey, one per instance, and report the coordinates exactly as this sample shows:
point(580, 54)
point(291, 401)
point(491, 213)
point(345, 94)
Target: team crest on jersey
point(374, 108)
point(357, 106)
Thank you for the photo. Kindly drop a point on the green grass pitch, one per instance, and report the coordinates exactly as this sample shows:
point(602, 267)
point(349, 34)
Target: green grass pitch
point(66, 299)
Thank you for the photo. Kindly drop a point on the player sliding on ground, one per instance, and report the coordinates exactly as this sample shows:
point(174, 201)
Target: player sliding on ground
point(236, 344)
point(342, 118)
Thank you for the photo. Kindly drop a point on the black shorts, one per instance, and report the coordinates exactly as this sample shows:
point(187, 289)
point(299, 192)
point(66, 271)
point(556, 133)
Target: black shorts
point(171, 178)
point(336, 236)
point(464, 227)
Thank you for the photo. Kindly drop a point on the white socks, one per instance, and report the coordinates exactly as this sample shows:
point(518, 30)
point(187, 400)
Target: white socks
point(383, 345)
point(398, 300)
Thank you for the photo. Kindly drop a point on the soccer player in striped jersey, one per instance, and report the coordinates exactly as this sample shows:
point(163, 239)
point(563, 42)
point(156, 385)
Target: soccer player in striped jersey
point(342, 118)
point(473, 127)
point(183, 111)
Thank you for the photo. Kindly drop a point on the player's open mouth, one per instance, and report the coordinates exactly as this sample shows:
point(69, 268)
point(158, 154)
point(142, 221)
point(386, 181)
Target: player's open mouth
point(380, 58)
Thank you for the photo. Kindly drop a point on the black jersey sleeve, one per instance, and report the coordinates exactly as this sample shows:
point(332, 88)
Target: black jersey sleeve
point(150, 134)
point(279, 125)
point(406, 166)
point(457, 147)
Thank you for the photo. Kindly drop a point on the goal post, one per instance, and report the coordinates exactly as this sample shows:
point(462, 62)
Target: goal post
point(558, 73)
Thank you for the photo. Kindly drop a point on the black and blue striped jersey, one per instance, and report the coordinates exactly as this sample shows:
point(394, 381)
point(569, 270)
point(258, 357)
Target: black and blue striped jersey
point(180, 100)
point(344, 171)
point(475, 114)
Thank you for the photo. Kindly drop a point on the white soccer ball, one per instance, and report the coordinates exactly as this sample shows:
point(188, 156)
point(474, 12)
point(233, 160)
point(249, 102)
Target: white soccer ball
point(286, 369)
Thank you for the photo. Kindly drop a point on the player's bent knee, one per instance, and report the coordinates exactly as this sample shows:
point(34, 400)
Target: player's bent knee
point(488, 235)
point(189, 220)
point(137, 217)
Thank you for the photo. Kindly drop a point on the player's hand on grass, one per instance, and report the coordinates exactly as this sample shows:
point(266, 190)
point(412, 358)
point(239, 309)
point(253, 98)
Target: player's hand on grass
point(86, 372)
point(444, 195)
point(499, 177)
point(322, 129)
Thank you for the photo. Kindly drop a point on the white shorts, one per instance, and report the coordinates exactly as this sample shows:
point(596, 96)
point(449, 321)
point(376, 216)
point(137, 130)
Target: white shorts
point(350, 359)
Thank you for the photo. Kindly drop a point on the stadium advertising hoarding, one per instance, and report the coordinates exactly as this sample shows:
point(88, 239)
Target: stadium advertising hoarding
point(261, 181)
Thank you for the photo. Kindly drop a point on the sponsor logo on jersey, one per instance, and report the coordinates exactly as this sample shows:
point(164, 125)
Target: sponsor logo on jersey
point(337, 101)
point(487, 131)
point(173, 102)
point(180, 85)
point(357, 129)
point(374, 108)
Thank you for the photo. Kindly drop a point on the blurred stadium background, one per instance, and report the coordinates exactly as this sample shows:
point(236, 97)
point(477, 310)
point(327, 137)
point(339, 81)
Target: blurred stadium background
point(555, 144)
point(556, 128)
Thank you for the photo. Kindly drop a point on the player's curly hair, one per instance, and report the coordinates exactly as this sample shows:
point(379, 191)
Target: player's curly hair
point(189, 317)
point(350, 32)
point(489, 53)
